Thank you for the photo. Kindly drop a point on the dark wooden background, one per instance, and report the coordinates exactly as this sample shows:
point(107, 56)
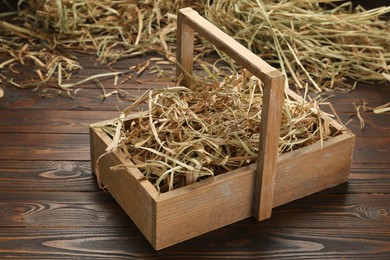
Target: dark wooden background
point(51, 207)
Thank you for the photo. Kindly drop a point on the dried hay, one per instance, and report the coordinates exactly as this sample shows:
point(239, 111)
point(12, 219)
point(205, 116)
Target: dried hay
point(313, 44)
point(317, 43)
point(209, 128)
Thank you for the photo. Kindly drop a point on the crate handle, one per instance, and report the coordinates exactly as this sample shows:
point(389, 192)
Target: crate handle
point(189, 21)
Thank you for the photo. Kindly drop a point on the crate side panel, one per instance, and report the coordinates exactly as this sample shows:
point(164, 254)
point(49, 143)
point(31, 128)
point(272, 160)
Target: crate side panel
point(127, 190)
point(217, 202)
point(312, 169)
point(228, 198)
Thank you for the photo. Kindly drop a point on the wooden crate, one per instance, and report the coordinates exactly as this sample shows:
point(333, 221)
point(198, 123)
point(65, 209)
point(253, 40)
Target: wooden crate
point(169, 218)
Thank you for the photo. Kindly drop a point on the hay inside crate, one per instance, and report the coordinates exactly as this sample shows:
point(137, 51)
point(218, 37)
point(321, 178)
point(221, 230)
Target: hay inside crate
point(169, 218)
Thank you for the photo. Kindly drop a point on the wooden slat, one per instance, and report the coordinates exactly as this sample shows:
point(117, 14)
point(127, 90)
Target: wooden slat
point(302, 173)
point(372, 150)
point(73, 243)
point(271, 114)
point(85, 99)
point(15, 146)
point(125, 81)
point(46, 176)
point(88, 97)
point(334, 211)
point(63, 121)
point(374, 124)
point(129, 79)
point(373, 95)
point(366, 178)
point(91, 66)
point(184, 48)
point(238, 241)
point(225, 43)
point(59, 209)
point(293, 243)
point(135, 196)
point(190, 21)
point(76, 176)
point(51, 121)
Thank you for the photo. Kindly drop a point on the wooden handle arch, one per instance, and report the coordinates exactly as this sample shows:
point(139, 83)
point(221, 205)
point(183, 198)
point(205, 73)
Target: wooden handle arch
point(188, 22)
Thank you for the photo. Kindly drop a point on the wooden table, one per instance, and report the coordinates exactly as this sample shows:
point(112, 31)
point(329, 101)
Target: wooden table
point(51, 207)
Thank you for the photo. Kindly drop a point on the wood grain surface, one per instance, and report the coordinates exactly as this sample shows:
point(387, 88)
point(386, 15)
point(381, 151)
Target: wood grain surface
point(51, 207)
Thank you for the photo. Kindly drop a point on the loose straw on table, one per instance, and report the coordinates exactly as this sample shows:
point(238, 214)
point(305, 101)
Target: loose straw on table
point(315, 42)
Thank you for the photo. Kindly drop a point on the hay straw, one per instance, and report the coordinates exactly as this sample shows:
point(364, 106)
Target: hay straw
point(359, 113)
point(112, 29)
point(311, 43)
point(315, 45)
point(382, 109)
point(207, 129)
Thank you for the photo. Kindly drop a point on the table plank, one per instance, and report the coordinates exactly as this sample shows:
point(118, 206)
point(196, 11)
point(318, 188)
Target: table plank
point(26, 146)
point(84, 99)
point(366, 178)
point(245, 241)
point(59, 209)
point(372, 95)
point(77, 176)
point(16, 175)
point(63, 209)
point(372, 150)
point(374, 124)
point(51, 121)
